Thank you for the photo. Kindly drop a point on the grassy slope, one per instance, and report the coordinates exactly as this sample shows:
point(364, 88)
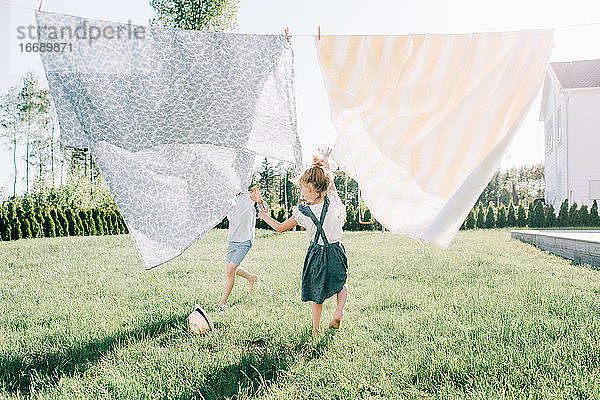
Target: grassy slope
point(488, 318)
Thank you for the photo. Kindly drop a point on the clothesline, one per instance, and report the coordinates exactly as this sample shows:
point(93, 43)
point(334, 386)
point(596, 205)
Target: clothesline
point(314, 34)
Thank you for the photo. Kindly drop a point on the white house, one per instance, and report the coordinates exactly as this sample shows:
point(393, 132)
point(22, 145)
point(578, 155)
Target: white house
point(571, 114)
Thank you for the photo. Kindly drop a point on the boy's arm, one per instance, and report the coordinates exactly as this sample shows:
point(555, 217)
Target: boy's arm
point(278, 226)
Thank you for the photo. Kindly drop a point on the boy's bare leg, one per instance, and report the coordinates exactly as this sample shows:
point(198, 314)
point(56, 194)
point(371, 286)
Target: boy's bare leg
point(229, 282)
point(316, 317)
point(339, 309)
point(245, 274)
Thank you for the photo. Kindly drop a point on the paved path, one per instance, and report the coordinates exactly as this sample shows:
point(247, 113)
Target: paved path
point(577, 245)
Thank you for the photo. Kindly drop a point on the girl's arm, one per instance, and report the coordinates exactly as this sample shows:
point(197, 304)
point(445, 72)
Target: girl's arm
point(278, 226)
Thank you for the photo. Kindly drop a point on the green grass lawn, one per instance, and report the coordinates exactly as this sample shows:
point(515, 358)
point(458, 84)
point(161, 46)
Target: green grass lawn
point(490, 317)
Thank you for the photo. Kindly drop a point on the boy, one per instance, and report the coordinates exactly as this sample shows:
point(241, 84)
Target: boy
point(242, 221)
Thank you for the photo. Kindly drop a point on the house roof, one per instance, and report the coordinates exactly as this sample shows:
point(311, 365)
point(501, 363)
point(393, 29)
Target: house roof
point(577, 74)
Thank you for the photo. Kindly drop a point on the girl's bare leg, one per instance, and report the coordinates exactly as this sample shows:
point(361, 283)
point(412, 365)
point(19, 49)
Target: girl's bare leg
point(316, 317)
point(245, 274)
point(339, 309)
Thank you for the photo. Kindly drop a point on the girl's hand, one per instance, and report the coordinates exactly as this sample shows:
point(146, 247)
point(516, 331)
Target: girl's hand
point(255, 195)
point(263, 213)
point(325, 156)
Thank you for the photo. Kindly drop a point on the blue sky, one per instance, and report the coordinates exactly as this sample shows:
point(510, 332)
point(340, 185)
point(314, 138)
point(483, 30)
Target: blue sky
point(336, 17)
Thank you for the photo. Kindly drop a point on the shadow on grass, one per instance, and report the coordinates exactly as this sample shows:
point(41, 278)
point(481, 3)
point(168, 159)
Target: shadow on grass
point(260, 367)
point(17, 372)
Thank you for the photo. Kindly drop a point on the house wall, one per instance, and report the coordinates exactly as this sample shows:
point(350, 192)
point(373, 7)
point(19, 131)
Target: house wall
point(583, 121)
point(555, 165)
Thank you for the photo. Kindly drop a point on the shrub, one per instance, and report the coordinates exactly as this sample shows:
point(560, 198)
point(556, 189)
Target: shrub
point(584, 216)
point(490, 217)
point(99, 227)
point(49, 225)
point(501, 217)
point(470, 222)
point(551, 217)
point(91, 222)
point(538, 217)
point(521, 216)
point(71, 222)
point(13, 221)
point(4, 225)
point(480, 221)
point(574, 215)
point(530, 219)
point(350, 218)
point(511, 217)
point(563, 214)
point(25, 224)
point(594, 218)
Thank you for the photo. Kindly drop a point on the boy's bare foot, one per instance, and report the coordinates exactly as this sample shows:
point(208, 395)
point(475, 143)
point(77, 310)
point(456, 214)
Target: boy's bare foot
point(251, 280)
point(335, 322)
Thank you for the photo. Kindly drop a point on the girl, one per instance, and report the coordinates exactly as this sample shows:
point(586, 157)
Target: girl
point(325, 265)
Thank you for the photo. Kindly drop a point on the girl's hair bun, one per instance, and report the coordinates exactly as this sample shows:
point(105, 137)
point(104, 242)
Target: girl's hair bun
point(318, 162)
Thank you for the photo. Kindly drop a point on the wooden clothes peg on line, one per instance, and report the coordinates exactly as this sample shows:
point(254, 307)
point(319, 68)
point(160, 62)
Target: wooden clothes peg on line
point(40, 7)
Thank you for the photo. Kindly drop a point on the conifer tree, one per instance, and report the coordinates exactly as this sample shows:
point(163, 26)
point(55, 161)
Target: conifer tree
point(470, 222)
point(584, 216)
point(511, 217)
point(49, 225)
point(521, 216)
point(594, 217)
point(574, 215)
point(564, 219)
point(490, 217)
point(530, 218)
point(59, 231)
point(4, 225)
point(91, 222)
point(24, 221)
point(539, 219)
point(480, 219)
point(551, 217)
point(501, 217)
point(13, 220)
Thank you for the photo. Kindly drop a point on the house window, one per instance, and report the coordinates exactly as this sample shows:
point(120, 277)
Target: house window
point(549, 134)
point(559, 125)
point(594, 190)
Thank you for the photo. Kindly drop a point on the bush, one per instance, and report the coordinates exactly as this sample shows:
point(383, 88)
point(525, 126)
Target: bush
point(13, 221)
point(91, 221)
point(574, 215)
point(4, 225)
point(584, 216)
point(594, 218)
point(98, 225)
point(49, 225)
point(480, 221)
point(538, 218)
point(563, 214)
point(511, 217)
point(25, 224)
point(530, 219)
point(521, 216)
point(551, 220)
point(350, 218)
point(71, 222)
point(490, 217)
point(501, 217)
point(470, 222)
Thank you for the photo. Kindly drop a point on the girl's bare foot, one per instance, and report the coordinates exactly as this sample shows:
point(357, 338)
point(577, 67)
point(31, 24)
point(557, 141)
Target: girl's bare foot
point(315, 332)
point(251, 280)
point(335, 322)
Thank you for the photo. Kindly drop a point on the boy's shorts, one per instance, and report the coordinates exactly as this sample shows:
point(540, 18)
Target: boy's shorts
point(236, 251)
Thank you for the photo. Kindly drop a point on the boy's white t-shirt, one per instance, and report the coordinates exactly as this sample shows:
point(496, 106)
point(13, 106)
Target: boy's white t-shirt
point(334, 219)
point(242, 219)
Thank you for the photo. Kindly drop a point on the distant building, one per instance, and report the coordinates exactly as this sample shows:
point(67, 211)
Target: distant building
point(571, 114)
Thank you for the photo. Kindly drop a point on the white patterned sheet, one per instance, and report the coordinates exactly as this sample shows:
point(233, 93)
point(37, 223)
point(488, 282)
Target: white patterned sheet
point(173, 119)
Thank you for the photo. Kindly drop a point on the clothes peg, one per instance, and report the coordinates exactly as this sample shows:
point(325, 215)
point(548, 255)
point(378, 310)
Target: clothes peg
point(319, 35)
point(40, 7)
point(287, 34)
